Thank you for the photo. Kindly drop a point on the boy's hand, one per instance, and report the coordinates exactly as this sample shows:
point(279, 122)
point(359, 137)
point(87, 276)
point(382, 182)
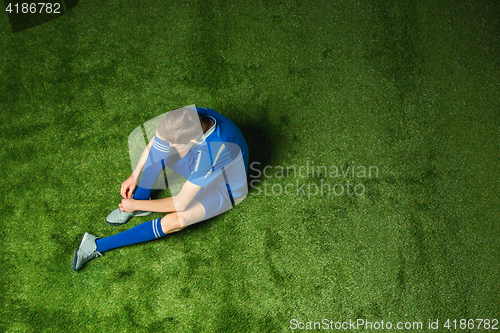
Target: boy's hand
point(127, 205)
point(128, 187)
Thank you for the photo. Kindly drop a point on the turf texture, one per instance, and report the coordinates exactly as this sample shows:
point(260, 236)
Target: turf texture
point(408, 88)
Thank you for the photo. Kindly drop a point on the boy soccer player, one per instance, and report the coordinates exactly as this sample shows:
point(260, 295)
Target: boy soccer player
point(199, 144)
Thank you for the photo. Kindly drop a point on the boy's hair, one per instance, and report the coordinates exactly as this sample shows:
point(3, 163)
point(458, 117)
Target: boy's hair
point(180, 126)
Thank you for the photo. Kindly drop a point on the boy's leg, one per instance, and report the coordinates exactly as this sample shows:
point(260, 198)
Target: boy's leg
point(155, 163)
point(148, 179)
point(154, 229)
point(194, 213)
point(92, 246)
point(157, 157)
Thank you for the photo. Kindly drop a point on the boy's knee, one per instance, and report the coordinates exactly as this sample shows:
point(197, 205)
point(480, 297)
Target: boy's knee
point(182, 221)
point(172, 222)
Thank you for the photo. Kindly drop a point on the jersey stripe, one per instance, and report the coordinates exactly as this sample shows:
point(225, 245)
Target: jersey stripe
point(215, 160)
point(198, 161)
point(161, 147)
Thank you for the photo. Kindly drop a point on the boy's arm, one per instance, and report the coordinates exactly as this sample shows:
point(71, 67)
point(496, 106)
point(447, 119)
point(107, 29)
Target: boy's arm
point(177, 203)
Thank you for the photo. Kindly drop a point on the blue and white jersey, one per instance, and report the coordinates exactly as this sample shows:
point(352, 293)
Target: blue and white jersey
point(221, 148)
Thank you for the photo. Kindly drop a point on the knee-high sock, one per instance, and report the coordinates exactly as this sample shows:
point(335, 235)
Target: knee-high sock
point(141, 233)
point(155, 163)
point(142, 193)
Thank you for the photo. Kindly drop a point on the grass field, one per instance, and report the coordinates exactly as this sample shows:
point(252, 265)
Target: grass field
point(409, 87)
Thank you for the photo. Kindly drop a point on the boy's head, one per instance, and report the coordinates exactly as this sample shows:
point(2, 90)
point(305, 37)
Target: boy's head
point(180, 126)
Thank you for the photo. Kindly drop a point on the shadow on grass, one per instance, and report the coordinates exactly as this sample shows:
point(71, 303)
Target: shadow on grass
point(262, 138)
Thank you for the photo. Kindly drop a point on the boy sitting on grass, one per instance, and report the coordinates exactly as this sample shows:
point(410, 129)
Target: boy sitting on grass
point(202, 146)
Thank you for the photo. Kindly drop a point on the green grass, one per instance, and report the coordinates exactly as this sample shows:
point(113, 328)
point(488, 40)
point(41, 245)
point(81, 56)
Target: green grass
point(409, 87)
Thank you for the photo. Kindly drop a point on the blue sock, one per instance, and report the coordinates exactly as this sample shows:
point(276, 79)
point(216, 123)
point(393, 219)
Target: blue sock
point(141, 233)
point(142, 193)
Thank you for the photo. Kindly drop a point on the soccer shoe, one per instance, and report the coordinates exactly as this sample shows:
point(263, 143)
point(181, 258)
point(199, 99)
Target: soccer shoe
point(86, 251)
point(117, 217)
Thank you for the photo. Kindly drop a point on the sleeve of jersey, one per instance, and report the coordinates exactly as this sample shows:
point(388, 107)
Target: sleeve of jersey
point(161, 145)
point(209, 163)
